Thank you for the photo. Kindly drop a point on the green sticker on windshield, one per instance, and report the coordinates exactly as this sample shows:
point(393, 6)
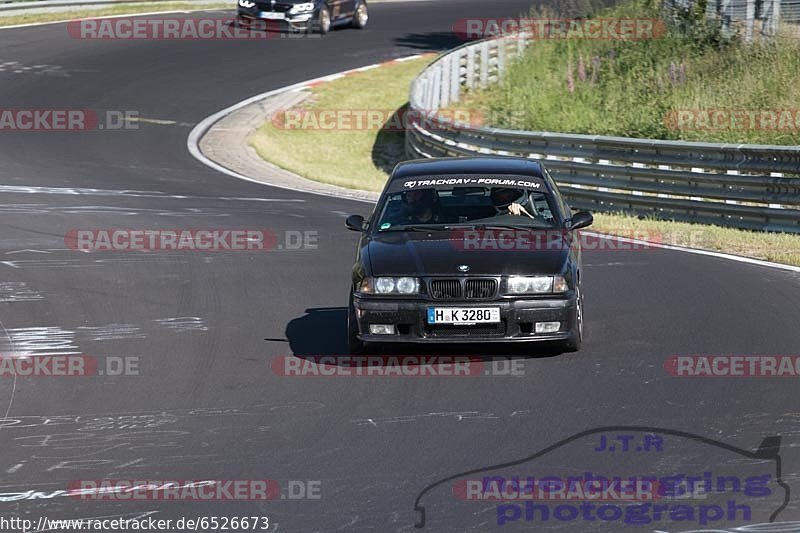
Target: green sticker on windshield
point(386, 225)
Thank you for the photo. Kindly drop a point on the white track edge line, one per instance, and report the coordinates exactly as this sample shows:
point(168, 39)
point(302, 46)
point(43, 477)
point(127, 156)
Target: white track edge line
point(699, 251)
point(193, 140)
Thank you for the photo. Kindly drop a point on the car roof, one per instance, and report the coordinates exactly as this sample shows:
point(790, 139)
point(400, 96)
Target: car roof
point(468, 165)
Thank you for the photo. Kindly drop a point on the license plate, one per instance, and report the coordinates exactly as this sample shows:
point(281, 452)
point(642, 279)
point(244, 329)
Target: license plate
point(464, 316)
point(271, 15)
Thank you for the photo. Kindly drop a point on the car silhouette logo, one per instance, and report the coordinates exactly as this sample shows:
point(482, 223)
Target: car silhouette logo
point(444, 500)
point(463, 268)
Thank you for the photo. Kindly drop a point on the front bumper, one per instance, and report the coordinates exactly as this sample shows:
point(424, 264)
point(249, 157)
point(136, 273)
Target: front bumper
point(517, 319)
point(252, 14)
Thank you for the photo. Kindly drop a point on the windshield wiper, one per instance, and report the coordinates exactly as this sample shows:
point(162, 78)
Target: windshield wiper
point(415, 227)
point(483, 227)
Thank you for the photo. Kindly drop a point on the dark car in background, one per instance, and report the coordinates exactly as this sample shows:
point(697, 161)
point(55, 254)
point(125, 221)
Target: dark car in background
point(468, 250)
point(297, 15)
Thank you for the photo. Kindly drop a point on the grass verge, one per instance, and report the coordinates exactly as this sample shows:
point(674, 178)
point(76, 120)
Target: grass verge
point(776, 247)
point(119, 9)
point(345, 156)
point(362, 159)
point(662, 88)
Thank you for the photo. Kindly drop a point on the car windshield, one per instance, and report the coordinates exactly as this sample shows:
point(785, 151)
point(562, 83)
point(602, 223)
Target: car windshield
point(466, 206)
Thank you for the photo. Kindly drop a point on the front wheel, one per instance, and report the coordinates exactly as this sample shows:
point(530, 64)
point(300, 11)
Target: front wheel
point(361, 16)
point(324, 20)
point(574, 345)
point(354, 345)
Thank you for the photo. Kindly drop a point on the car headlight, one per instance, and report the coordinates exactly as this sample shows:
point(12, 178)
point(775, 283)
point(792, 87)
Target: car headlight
point(246, 4)
point(384, 285)
point(536, 284)
point(301, 8)
point(407, 285)
point(388, 285)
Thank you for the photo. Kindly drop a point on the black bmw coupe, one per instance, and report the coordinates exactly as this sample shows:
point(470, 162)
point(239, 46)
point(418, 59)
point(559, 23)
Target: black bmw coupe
point(303, 15)
point(468, 250)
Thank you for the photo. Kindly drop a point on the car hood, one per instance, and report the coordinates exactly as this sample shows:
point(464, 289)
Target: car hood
point(423, 255)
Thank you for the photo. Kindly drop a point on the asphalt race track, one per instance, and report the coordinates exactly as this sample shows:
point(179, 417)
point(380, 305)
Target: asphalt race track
point(205, 327)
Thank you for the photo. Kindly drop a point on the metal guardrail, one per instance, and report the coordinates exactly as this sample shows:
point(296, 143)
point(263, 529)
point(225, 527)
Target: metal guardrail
point(754, 17)
point(739, 185)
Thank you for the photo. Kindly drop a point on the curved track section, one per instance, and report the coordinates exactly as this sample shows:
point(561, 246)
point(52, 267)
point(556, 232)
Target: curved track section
point(205, 327)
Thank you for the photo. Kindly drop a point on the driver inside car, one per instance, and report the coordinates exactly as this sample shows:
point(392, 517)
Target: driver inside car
point(421, 206)
point(510, 202)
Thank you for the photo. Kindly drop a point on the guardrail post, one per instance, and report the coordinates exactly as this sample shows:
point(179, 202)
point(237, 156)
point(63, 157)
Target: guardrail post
point(501, 58)
point(724, 11)
point(750, 20)
point(455, 76)
point(520, 44)
point(484, 64)
point(470, 67)
point(444, 97)
point(427, 93)
point(435, 90)
point(771, 17)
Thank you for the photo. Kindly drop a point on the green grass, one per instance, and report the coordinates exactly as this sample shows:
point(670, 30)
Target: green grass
point(627, 88)
point(358, 159)
point(776, 247)
point(119, 9)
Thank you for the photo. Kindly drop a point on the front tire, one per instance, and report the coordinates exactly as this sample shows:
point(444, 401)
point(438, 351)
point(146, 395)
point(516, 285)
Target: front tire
point(324, 20)
point(361, 16)
point(355, 346)
point(574, 345)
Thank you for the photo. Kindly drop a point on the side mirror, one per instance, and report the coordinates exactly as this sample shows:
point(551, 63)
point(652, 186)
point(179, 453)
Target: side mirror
point(579, 220)
point(354, 223)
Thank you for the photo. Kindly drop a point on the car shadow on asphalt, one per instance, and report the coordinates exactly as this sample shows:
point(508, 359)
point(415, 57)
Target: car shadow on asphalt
point(275, 30)
point(323, 331)
point(320, 331)
point(431, 41)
